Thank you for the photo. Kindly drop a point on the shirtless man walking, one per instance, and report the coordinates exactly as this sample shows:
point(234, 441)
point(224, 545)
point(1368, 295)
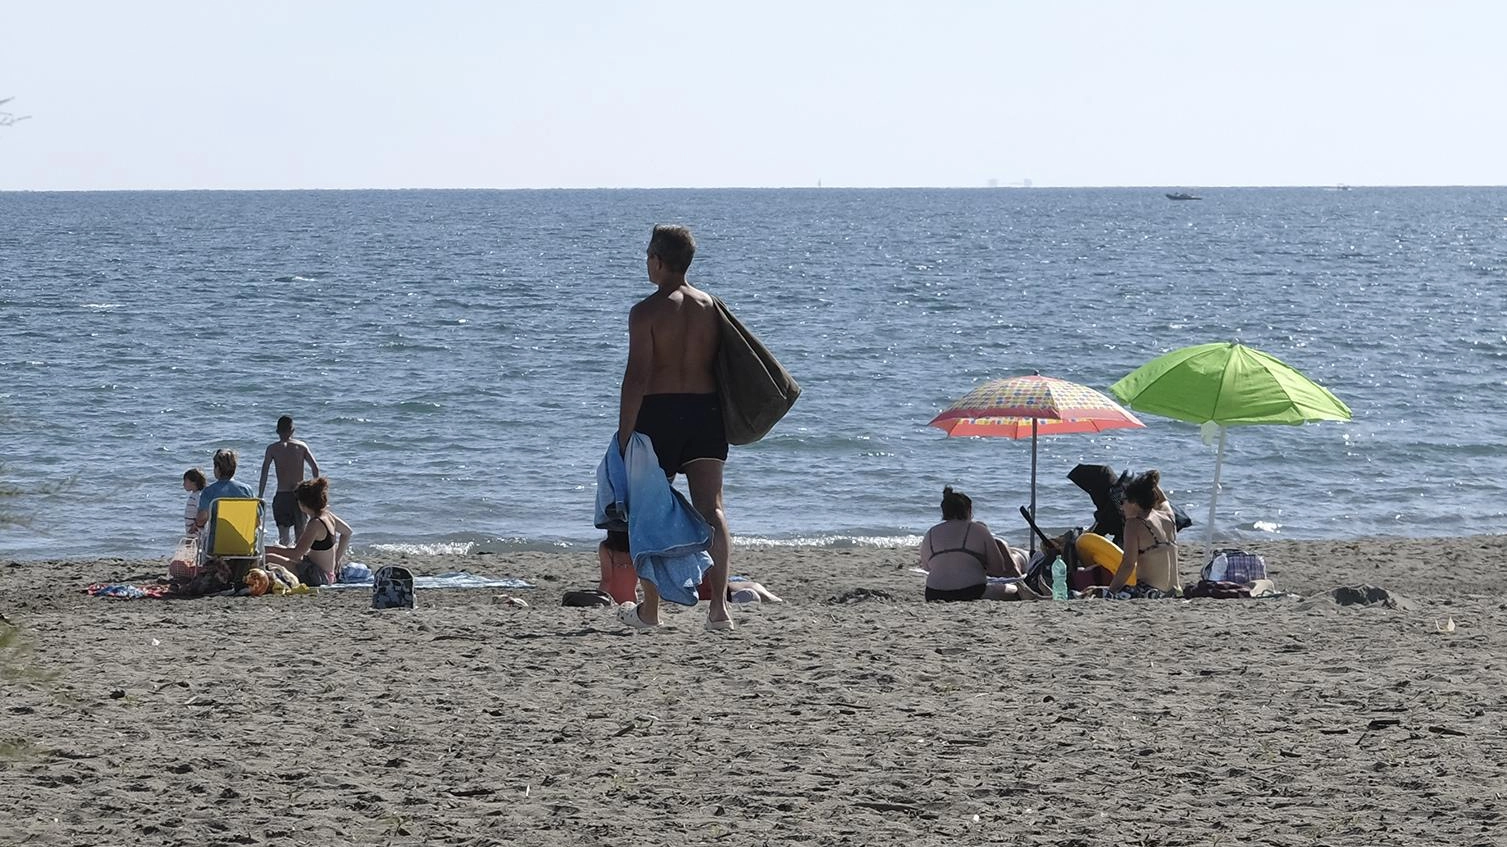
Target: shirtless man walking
point(289, 455)
point(670, 395)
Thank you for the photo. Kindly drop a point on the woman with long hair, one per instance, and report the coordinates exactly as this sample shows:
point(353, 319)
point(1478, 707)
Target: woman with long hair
point(315, 558)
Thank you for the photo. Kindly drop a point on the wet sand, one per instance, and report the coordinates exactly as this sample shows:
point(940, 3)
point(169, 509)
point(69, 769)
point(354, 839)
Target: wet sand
point(311, 720)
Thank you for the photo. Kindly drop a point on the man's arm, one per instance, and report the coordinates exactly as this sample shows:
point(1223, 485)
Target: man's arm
point(308, 456)
point(261, 490)
point(636, 375)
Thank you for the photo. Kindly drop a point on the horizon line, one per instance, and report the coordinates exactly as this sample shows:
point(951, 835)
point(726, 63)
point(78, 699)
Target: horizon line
point(1002, 187)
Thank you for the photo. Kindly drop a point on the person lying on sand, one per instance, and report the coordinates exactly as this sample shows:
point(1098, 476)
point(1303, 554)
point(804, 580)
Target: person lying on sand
point(740, 589)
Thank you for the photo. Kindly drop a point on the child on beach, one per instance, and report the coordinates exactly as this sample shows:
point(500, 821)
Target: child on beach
point(289, 456)
point(193, 483)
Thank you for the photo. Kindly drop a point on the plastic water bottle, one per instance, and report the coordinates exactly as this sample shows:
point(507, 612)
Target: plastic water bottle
point(1059, 579)
point(1218, 567)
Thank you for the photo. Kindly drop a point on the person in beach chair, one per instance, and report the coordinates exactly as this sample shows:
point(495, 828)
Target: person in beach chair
point(235, 537)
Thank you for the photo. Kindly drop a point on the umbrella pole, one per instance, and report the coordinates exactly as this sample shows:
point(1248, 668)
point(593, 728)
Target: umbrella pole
point(1218, 463)
point(1033, 483)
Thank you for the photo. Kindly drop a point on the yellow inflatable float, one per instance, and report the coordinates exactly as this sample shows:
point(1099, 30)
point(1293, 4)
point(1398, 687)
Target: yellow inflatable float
point(1095, 549)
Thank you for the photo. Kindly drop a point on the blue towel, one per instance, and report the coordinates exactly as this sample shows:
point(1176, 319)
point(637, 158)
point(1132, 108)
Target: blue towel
point(667, 536)
point(362, 578)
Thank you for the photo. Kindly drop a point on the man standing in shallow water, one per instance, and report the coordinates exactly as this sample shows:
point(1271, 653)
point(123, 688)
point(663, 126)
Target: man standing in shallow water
point(289, 456)
point(670, 395)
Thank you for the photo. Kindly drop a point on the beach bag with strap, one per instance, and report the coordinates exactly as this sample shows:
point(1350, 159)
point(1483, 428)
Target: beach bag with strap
point(754, 389)
point(183, 565)
point(1236, 566)
point(392, 588)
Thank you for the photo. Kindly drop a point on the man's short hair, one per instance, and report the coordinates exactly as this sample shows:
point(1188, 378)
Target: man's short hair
point(674, 246)
point(284, 425)
point(225, 462)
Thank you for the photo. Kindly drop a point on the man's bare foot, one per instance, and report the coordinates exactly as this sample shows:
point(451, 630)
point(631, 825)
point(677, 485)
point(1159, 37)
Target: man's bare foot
point(724, 625)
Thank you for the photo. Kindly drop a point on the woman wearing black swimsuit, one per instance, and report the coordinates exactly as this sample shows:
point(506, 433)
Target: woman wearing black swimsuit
point(316, 557)
point(960, 554)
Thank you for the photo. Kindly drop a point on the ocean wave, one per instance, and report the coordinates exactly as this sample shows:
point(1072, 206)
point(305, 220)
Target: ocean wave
point(835, 541)
point(490, 546)
point(440, 548)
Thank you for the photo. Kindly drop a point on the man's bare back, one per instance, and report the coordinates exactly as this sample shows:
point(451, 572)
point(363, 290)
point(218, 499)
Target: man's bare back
point(683, 323)
point(288, 458)
point(672, 346)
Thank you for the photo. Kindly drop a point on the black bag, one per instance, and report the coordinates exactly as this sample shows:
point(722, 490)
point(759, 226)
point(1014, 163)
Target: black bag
point(1180, 518)
point(1039, 572)
point(587, 599)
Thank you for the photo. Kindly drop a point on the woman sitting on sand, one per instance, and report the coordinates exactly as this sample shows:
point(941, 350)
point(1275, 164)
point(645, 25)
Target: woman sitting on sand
point(960, 554)
point(322, 545)
point(1150, 539)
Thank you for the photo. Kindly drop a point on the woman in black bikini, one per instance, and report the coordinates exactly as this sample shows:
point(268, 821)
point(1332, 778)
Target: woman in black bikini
point(322, 545)
point(960, 554)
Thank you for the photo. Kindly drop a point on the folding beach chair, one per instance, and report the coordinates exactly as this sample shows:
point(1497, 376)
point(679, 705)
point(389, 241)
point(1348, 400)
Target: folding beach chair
point(235, 536)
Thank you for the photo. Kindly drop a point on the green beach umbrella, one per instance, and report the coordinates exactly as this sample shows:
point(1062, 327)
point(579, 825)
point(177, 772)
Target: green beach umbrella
point(1226, 384)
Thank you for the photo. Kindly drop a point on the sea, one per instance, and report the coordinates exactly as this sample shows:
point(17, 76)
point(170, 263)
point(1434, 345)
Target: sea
point(453, 358)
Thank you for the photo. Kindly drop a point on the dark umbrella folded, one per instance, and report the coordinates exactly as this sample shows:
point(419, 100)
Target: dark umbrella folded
point(1105, 488)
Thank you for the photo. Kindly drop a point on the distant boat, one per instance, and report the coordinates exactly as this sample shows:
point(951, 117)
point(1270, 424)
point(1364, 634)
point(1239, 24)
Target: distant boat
point(1182, 195)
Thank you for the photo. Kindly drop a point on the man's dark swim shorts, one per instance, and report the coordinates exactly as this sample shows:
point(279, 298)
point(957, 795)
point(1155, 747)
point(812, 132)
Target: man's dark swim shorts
point(285, 509)
point(683, 427)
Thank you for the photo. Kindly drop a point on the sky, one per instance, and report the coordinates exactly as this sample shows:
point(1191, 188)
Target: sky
point(156, 94)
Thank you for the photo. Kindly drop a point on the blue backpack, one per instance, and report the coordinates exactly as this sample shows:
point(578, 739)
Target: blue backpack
point(392, 588)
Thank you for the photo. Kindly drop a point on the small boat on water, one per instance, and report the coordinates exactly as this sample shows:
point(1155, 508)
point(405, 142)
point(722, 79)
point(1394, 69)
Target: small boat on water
point(1182, 195)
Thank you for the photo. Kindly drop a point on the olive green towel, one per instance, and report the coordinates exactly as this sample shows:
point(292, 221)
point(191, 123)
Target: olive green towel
point(755, 389)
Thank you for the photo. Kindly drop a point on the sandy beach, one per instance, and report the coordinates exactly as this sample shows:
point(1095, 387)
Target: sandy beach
point(311, 720)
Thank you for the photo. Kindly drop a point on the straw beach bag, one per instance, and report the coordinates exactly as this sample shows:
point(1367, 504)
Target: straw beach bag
point(183, 565)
